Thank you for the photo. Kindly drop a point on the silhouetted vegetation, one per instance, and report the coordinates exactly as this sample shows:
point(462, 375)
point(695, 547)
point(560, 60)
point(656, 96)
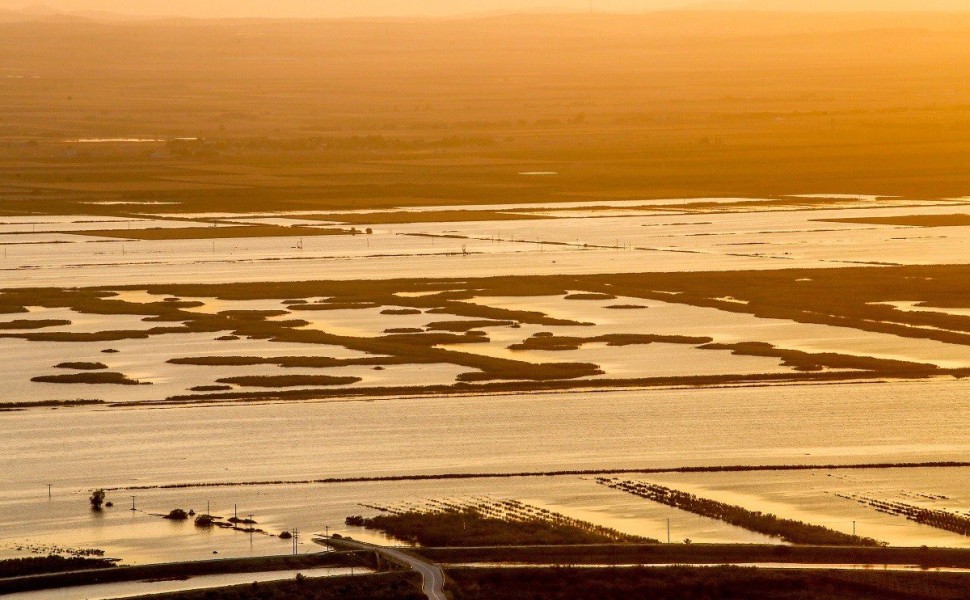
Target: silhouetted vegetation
point(549, 342)
point(19, 567)
point(391, 586)
point(467, 526)
point(933, 517)
point(795, 532)
point(710, 583)
point(427, 216)
point(97, 499)
point(280, 381)
point(48, 404)
point(955, 220)
point(194, 233)
point(589, 296)
point(179, 570)
point(204, 521)
point(33, 323)
point(99, 378)
point(702, 554)
point(82, 366)
point(587, 472)
point(465, 326)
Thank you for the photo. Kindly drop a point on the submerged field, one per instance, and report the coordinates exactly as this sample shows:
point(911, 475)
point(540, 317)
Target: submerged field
point(639, 289)
point(617, 362)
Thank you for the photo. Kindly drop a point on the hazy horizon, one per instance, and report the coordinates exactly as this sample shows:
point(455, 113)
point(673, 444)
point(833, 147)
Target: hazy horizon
point(438, 8)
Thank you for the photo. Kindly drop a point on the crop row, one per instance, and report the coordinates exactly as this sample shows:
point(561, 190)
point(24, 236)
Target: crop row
point(795, 532)
point(933, 517)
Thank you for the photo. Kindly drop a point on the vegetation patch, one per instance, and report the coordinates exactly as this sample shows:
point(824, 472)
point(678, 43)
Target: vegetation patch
point(589, 296)
point(933, 517)
point(82, 366)
point(20, 567)
point(307, 362)
point(705, 583)
point(389, 586)
point(433, 216)
point(488, 523)
point(48, 404)
point(335, 306)
point(180, 571)
point(547, 341)
point(795, 532)
point(33, 323)
point(198, 233)
point(465, 326)
point(703, 554)
point(284, 381)
point(98, 378)
point(818, 361)
point(177, 514)
point(956, 220)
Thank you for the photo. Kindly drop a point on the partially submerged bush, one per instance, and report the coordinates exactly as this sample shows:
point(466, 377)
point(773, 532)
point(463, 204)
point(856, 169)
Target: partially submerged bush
point(177, 514)
point(205, 521)
point(97, 499)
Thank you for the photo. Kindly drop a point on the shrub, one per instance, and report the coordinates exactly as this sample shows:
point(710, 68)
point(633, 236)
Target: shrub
point(204, 521)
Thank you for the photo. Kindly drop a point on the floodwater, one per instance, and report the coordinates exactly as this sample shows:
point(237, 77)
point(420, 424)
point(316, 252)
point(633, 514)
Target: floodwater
point(632, 241)
point(134, 450)
point(667, 318)
point(813, 424)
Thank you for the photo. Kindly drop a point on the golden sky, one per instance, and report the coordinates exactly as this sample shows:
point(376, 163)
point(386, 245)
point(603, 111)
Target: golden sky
point(347, 8)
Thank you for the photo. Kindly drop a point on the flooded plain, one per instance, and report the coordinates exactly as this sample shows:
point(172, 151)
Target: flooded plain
point(676, 239)
point(238, 410)
point(133, 451)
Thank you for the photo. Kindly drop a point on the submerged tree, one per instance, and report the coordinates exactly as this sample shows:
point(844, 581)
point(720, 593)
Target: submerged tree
point(97, 499)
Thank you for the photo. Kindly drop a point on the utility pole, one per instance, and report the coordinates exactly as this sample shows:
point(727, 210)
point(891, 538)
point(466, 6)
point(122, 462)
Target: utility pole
point(251, 530)
point(132, 504)
point(49, 495)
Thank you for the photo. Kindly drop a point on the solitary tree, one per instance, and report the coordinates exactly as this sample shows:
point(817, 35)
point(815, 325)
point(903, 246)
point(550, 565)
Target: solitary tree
point(97, 499)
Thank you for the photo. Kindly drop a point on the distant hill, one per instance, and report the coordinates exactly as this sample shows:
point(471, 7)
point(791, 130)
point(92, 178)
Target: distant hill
point(123, 10)
point(837, 5)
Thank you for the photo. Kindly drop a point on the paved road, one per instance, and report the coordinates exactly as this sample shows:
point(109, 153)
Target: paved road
point(432, 577)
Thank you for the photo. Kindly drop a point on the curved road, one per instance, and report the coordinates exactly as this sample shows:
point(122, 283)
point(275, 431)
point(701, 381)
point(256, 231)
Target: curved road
point(432, 577)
